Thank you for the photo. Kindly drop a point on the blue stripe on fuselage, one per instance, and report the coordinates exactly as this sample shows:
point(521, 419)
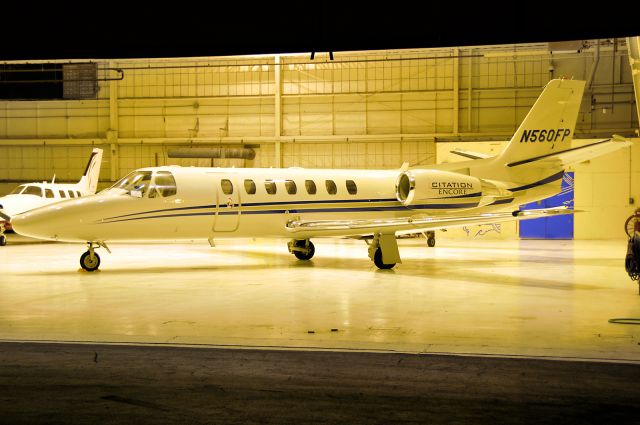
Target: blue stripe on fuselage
point(544, 181)
point(258, 204)
point(302, 211)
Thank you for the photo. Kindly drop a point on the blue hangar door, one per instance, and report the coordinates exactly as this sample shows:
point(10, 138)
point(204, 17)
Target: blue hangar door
point(560, 227)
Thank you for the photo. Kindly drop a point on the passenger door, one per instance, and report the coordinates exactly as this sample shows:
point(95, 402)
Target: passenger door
point(228, 205)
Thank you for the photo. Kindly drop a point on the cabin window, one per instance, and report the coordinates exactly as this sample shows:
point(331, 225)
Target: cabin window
point(78, 193)
point(17, 190)
point(227, 186)
point(72, 194)
point(332, 189)
point(310, 185)
point(250, 187)
point(351, 187)
point(165, 184)
point(135, 183)
point(62, 193)
point(292, 189)
point(49, 193)
point(33, 190)
point(270, 186)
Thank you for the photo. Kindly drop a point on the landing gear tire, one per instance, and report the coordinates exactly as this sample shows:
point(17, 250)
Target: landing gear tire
point(431, 242)
point(302, 255)
point(88, 262)
point(3, 240)
point(377, 260)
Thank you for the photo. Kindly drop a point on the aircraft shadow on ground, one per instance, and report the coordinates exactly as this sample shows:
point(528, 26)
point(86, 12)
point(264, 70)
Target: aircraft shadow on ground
point(456, 269)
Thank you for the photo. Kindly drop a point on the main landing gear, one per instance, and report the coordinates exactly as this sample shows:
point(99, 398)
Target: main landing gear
point(303, 249)
point(431, 238)
point(90, 260)
point(383, 250)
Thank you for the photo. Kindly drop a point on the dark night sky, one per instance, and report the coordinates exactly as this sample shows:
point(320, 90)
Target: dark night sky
point(213, 28)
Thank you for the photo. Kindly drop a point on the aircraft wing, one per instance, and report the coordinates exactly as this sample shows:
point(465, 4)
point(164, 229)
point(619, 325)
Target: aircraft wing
point(575, 155)
point(310, 228)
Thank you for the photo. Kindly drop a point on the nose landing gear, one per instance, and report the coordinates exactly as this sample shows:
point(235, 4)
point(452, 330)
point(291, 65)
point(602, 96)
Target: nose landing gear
point(90, 260)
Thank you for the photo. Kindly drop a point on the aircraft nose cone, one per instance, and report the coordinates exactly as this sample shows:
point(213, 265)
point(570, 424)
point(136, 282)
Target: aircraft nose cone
point(33, 224)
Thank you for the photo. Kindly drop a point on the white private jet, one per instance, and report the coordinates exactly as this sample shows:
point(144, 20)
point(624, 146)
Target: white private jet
point(175, 203)
point(29, 196)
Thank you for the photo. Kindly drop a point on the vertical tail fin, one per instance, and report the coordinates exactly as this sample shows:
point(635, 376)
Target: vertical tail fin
point(548, 127)
point(89, 180)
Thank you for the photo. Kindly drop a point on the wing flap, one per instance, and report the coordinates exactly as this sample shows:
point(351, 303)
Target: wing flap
point(417, 224)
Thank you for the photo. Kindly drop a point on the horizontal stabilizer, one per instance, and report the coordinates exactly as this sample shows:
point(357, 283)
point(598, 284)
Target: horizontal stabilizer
point(575, 155)
point(470, 154)
point(363, 227)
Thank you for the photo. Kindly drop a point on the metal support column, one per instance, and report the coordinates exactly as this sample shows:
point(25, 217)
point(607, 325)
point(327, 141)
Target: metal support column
point(469, 95)
point(278, 112)
point(456, 90)
point(112, 133)
point(633, 47)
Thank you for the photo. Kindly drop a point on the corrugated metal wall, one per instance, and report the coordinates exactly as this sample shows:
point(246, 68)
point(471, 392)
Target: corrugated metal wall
point(362, 110)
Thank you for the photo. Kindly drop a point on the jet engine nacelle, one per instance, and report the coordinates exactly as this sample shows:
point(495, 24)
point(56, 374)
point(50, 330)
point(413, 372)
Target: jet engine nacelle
point(434, 186)
point(447, 188)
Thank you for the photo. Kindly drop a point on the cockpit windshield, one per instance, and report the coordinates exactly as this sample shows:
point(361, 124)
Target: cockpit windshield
point(17, 190)
point(33, 190)
point(135, 183)
point(141, 184)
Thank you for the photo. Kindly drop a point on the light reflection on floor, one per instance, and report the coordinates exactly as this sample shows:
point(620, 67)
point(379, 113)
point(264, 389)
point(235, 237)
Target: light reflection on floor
point(540, 298)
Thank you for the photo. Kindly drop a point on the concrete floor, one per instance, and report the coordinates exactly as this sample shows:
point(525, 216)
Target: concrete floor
point(114, 384)
point(514, 298)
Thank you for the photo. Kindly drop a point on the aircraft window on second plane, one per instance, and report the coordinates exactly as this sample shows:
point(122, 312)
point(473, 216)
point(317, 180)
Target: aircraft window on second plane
point(33, 190)
point(270, 186)
point(291, 187)
point(351, 187)
point(62, 193)
point(250, 187)
point(48, 193)
point(71, 194)
point(17, 190)
point(332, 189)
point(310, 185)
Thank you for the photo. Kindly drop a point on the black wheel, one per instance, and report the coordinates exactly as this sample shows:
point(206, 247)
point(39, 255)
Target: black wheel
point(431, 242)
point(300, 255)
point(88, 263)
point(632, 225)
point(377, 259)
point(3, 240)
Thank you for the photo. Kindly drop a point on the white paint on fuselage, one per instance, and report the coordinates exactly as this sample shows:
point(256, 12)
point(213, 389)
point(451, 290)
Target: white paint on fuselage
point(14, 204)
point(200, 209)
